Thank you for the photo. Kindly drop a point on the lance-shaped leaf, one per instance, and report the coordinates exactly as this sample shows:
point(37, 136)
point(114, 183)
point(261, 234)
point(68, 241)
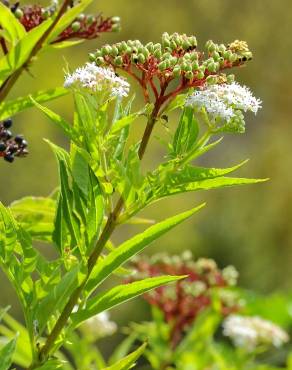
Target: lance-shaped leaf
point(129, 361)
point(20, 54)
point(6, 354)
point(11, 107)
point(13, 29)
point(120, 294)
point(128, 249)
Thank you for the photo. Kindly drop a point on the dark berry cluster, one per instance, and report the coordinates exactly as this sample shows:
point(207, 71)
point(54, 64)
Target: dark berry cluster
point(11, 147)
point(175, 57)
point(182, 302)
point(83, 27)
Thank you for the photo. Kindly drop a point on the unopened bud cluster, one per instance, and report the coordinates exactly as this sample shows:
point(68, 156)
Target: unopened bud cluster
point(83, 27)
point(175, 56)
point(11, 147)
point(182, 302)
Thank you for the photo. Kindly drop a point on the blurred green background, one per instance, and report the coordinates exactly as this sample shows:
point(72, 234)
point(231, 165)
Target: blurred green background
point(249, 227)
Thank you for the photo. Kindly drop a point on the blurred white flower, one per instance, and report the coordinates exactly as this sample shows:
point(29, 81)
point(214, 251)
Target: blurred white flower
point(98, 79)
point(222, 101)
point(250, 332)
point(99, 325)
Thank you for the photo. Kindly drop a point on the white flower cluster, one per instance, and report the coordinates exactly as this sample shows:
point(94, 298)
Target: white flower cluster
point(222, 101)
point(98, 79)
point(99, 325)
point(250, 332)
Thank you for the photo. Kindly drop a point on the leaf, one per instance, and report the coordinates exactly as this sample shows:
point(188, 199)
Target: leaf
point(36, 215)
point(11, 107)
point(67, 19)
point(129, 361)
point(50, 365)
point(210, 184)
point(122, 123)
point(128, 249)
point(58, 120)
point(6, 353)
point(177, 102)
point(19, 55)
point(120, 294)
point(187, 132)
point(14, 30)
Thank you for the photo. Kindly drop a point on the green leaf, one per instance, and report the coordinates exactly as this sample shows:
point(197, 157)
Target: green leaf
point(133, 246)
point(210, 184)
point(50, 365)
point(36, 215)
point(14, 30)
point(120, 294)
point(11, 107)
point(129, 361)
point(122, 123)
point(68, 130)
point(187, 132)
point(6, 353)
point(20, 54)
point(67, 19)
point(177, 102)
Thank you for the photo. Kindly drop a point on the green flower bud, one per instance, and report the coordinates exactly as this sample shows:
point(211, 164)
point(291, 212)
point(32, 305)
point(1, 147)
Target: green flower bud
point(76, 26)
point(92, 57)
point(195, 65)
point(116, 27)
point(186, 44)
point(157, 53)
point(210, 46)
point(211, 80)
point(189, 75)
point(134, 58)
point(173, 45)
point(211, 67)
point(230, 79)
point(233, 58)
point(45, 13)
point(18, 13)
point(176, 71)
point(162, 66)
point(90, 19)
point(118, 61)
point(200, 74)
point(227, 54)
point(173, 61)
point(106, 50)
point(141, 58)
point(193, 41)
point(166, 56)
point(124, 46)
point(221, 48)
point(216, 56)
point(81, 17)
point(128, 50)
point(99, 61)
point(150, 47)
point(114, 52)
point(186, 67)
point(194, 56)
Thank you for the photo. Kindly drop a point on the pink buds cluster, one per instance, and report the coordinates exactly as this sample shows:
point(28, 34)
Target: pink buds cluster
point(175, 57)
point(11, 147)
point(83, 27)
point(181, 303)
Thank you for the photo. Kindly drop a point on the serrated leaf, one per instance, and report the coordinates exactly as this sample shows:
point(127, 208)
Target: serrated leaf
point(129, 361)
point(6, 354)
point(128, 249)
point(120, 294)
point(68, 130)
point(14, 30)
point(11, 107)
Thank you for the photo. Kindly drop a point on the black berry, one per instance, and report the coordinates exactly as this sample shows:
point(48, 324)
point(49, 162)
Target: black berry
point(2, 147)
point(24, 143)
point(18, 139)
point(7, 123)
point(9, 158)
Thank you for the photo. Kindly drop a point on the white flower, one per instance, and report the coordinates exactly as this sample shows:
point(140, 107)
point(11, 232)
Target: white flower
point(222, 101)
point(99, 325)
point(98, 79)
point(250, 332)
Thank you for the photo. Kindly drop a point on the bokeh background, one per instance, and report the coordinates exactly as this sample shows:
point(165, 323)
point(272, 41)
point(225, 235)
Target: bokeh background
point(249, 227)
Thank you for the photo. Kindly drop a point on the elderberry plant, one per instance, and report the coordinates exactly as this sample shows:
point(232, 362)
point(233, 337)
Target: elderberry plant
point(102, 186)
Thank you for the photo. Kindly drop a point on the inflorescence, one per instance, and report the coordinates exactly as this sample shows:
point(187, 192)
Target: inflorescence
point(97, 79)
point(181, 303)
point(83, 27)
point(251, 332)
point(176, 57)
point(225, 103)
point(11, 147)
